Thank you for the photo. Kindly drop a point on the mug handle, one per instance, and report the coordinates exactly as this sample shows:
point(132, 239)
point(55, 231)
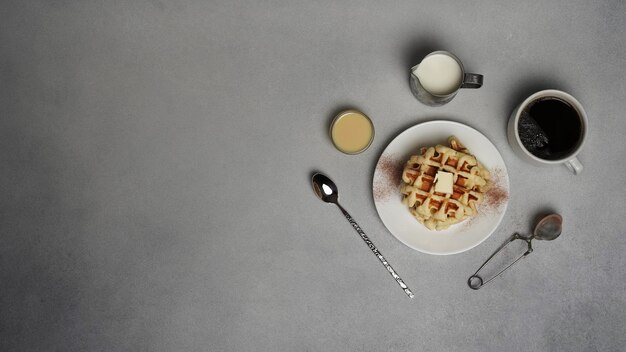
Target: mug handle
point(472, 80)
point(574, 165)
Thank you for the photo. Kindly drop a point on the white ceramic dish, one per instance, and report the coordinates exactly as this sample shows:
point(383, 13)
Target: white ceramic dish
point(396, 216)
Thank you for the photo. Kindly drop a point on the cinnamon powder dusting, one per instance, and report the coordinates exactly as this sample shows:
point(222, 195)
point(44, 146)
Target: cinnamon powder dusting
point(387, 177)
point(497, 195)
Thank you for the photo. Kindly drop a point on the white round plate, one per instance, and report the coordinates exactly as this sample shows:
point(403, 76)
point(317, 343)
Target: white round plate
point(396, 216)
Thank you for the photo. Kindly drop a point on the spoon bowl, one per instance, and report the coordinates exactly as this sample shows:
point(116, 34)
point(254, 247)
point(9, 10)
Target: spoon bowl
point(325, 188)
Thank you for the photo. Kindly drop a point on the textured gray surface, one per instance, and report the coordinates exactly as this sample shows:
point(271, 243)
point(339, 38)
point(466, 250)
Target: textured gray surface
point(156, 158)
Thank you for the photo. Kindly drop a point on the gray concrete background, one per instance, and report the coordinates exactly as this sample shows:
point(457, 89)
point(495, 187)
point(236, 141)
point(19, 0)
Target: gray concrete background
point(155, 176)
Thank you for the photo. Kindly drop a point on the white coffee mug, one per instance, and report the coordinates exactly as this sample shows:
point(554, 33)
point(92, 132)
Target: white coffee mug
point(569, 158)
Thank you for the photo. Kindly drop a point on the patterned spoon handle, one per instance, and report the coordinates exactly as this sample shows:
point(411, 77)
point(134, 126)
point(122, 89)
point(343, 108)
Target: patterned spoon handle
point(376, 252)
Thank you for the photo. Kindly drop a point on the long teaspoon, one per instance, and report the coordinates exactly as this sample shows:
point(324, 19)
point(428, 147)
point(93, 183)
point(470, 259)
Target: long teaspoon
point(327, 191)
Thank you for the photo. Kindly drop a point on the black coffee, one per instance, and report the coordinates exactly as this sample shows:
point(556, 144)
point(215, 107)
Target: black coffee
point(549, 128)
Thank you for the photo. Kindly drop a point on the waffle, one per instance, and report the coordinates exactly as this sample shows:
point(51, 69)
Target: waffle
point(436, 210)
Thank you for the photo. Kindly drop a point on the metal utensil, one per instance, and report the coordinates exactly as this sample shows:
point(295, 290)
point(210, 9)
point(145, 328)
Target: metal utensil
point(327, 191)
point(547, 229)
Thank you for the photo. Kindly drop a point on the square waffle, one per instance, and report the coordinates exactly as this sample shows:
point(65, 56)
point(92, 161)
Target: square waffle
point(436, 210)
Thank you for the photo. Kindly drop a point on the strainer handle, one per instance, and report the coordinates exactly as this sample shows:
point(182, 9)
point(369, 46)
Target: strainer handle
point(477, 281)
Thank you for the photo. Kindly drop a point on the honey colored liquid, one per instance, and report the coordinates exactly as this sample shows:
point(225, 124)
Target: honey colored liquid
point(352, 133)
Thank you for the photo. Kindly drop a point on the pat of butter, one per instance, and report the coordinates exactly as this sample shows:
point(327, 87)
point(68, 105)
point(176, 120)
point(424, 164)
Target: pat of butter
point(443, 182)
